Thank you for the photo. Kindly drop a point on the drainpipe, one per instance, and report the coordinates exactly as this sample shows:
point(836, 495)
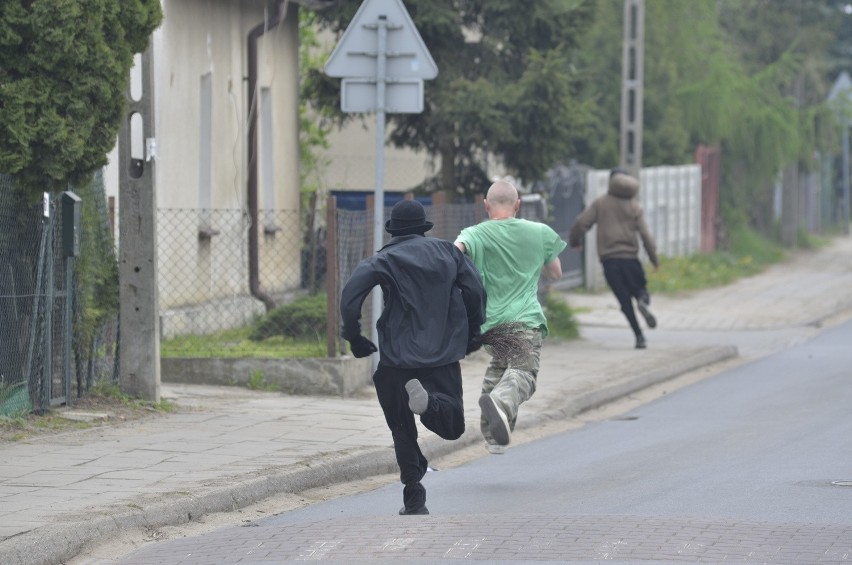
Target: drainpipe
point(253, 36)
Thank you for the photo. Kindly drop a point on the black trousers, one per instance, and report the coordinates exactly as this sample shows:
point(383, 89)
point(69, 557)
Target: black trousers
point(444, 416)
point(626, 278)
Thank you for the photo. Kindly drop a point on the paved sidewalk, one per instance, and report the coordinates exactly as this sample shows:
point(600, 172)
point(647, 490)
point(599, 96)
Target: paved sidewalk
point(229, 447)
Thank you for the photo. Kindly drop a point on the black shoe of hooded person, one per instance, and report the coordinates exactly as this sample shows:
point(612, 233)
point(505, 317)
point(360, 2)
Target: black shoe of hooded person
point(645, 310)
point(421, 511)
point(640, 343)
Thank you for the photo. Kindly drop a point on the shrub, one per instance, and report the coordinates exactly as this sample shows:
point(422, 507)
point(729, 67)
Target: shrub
point(304, 317)
point(560, 317)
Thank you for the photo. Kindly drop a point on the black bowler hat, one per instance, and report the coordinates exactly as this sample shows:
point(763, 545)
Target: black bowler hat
point(407, 217)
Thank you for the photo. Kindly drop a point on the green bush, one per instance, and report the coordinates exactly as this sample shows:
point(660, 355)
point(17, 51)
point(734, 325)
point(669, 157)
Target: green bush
point(749, 253)
point(561, 321)
point(304, 317)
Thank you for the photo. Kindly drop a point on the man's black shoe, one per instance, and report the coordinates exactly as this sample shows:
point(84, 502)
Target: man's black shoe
point(413, 511)
point(640, 343)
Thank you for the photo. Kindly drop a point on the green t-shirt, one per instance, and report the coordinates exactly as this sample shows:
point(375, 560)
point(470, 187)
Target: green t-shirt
point(510, 254)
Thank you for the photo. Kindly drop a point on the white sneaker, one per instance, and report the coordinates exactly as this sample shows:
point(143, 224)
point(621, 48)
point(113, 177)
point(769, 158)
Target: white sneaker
point(495, 449)
point(418, 398)
point(498, 423)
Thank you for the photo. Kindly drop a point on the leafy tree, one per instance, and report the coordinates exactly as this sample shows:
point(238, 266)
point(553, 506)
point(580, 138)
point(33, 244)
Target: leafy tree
point(784, 47)
point(64, 68)
point(725, 73)
point(505, 86)
point(679, 36)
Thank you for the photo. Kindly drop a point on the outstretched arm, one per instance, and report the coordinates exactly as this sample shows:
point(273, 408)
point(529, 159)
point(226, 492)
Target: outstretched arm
point(648, 241)
point(582, 224)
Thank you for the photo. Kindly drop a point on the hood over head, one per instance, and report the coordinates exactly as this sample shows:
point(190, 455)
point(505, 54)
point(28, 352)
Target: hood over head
point(622, 185)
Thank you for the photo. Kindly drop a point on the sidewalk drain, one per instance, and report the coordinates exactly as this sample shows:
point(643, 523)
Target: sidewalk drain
point(842, 483)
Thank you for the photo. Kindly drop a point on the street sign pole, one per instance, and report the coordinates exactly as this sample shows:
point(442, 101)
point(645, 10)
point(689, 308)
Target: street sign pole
point(396, 64)
point(379, 199)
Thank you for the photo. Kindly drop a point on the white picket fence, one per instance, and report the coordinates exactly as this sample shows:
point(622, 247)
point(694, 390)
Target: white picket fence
point(671, 201)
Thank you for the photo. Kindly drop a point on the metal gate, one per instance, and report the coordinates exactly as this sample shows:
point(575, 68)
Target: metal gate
point(564, 190)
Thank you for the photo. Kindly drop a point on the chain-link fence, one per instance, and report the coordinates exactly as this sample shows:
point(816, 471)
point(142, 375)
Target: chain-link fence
point(354, 242)
point(208, 306)
point(53, 347)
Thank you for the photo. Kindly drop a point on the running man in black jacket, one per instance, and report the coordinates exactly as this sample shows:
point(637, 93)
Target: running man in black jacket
point(434, 304)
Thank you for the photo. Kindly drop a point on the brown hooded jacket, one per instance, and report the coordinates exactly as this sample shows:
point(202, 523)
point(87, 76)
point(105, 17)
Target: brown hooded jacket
point(619, 217)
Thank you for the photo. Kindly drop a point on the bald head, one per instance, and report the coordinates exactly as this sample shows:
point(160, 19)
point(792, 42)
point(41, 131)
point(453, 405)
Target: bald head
point(501, 201)
point(502, 193)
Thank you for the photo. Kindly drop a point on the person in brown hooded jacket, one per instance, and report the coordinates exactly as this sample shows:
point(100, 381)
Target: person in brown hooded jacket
point(619, 218)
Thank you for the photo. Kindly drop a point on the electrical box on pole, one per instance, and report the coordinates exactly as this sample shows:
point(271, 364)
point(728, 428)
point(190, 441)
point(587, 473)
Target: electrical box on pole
point(71, 218)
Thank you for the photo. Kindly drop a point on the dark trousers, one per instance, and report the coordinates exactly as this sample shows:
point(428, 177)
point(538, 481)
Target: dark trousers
point(626, 278)
point(444, 416)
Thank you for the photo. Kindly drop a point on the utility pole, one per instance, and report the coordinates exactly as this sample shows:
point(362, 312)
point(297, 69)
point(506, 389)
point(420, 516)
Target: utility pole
point(632, 78)
point(139, 344)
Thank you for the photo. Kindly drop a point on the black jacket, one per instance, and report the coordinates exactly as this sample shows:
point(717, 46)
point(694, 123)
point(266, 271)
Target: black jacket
point(432, 294)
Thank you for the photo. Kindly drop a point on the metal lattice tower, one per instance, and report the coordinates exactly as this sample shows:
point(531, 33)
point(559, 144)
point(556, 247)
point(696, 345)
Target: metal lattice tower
point(632, 77)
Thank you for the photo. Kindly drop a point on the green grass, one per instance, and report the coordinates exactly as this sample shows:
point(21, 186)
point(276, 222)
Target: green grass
point(235, 343)
point(110, 391)
point(258, 382)
point(750, 254)
point(561, 322)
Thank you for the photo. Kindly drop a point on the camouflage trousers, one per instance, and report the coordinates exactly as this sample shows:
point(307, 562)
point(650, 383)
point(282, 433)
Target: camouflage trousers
point(512, 384)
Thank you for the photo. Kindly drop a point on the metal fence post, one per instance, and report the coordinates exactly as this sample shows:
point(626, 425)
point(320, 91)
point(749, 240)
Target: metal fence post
point(331, 283)
point(47, 373)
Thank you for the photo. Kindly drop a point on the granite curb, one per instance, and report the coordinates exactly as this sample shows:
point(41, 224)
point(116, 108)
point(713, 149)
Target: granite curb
point(55, 543)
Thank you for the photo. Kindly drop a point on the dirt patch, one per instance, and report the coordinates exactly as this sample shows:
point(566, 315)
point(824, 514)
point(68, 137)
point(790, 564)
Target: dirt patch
point(85, 413)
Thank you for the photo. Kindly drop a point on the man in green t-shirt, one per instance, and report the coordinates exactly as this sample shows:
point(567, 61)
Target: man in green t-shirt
point(511, 254)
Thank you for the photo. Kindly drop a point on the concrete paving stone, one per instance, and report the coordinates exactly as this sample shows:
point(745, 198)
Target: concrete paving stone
point(233, 452)
point(140, 474)
point(49, 478)
point(175, 468)
point(20, 525)
point(9, 473)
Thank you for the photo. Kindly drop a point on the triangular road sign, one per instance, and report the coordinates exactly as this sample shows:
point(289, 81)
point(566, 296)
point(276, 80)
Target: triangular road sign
point(355, 55)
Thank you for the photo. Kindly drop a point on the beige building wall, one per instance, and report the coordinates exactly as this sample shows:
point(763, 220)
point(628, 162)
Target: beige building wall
point(352, 161)
point(206, 40)
point(200, 55)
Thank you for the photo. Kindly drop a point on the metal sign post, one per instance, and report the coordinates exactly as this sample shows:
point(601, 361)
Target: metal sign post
point(379, 199)
point(378, 67)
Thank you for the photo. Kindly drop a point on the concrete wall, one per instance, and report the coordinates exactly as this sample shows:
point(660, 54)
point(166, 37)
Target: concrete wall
point(340, 376)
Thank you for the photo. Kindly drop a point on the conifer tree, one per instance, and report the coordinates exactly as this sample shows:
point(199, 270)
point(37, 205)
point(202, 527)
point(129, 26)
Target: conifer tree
point(64, 68)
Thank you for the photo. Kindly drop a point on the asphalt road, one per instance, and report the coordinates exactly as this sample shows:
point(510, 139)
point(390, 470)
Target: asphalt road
point(738, 467)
